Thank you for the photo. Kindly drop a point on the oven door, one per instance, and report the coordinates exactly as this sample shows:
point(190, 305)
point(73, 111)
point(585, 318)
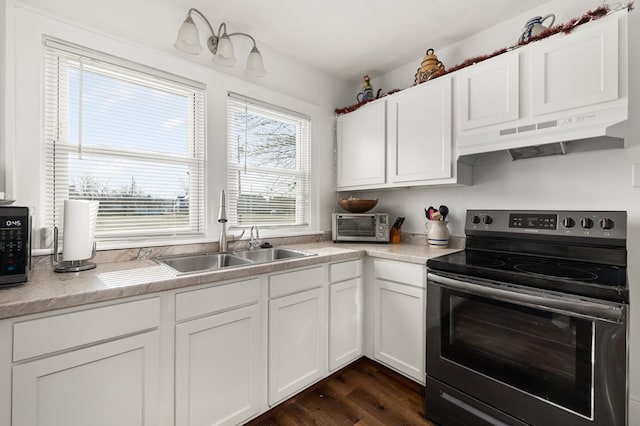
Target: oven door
point(542, 358)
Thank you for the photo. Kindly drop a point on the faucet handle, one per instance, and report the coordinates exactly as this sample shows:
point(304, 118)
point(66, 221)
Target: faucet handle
point(254, 240)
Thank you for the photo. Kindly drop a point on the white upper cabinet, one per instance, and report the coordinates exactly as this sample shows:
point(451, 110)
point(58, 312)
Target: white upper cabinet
point(547, 91)
point(576, 70)
point(404, 140)
point(419, 132)
point(489, 92)
point(361, 146)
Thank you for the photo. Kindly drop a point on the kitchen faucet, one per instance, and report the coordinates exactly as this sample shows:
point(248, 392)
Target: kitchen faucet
point(222, 219)
point(254, 240)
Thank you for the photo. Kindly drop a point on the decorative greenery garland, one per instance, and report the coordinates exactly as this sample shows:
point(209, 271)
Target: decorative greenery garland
point(566, 28)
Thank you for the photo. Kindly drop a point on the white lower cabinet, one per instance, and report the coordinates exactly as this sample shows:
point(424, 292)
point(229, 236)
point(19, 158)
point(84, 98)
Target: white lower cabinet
point(219, 354)
point(216, 354)
point(399, 317)
point(345, 313)
point(345, 324)
point(297, 342)
point(218, 367)
point(102, 384)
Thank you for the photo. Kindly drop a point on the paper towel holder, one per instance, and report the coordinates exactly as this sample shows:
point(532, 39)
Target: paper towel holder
point(69, 265)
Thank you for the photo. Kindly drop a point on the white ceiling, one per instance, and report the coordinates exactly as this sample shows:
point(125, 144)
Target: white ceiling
point(349, 38)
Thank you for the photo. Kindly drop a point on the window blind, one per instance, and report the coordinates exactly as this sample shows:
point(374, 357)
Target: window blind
point(268, 164)
point(126, 135)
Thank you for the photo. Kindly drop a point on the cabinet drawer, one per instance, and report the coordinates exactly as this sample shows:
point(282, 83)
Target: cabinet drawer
point(60, 332)
point(293, 282)
point(213, 299)
point(400, 272)
point(345, 270)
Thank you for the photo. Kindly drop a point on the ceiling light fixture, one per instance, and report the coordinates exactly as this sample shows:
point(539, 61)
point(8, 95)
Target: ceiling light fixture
point(219, 44)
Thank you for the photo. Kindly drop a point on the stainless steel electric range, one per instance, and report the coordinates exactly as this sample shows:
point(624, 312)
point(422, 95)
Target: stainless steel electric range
point(528, 325)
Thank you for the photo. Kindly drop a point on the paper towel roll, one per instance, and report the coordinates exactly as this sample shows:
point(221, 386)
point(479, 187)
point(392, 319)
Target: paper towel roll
point(80, 218)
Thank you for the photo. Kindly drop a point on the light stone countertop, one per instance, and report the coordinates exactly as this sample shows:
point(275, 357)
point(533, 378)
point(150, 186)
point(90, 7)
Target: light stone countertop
point(47, 290)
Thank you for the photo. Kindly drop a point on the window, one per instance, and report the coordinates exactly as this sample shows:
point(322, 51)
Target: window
point(268, 151)
point(126, 135)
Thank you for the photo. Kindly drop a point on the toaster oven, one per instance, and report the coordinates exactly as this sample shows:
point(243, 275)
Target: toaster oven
point(360, 227)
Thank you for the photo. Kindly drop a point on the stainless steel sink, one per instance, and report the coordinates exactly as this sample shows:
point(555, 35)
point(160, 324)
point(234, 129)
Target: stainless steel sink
point(271, 254)
point(191, 263)
point(184, 264)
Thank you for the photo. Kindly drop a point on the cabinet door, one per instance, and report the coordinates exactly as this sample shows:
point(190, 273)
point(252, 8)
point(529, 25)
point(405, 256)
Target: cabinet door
point(420, 132)
point(361, 146)
point(114, 383)
point(488, 93)
point(297, 342)
point(576, 70)
point(345, 322)
point(399, 331)
point(217, 368)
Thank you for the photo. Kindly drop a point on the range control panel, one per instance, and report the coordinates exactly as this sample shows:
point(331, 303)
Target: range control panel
point(594, 224)
point(14, 244)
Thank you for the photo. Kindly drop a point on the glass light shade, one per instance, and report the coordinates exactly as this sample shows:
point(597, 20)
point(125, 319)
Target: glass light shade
point(225, 54)
point(188, 38)
point(255, 66)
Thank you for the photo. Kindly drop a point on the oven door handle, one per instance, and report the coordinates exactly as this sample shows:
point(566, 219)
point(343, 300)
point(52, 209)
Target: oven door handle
point(582, 308)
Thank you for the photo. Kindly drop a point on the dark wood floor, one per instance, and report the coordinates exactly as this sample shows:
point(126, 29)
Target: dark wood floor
point(363, 393)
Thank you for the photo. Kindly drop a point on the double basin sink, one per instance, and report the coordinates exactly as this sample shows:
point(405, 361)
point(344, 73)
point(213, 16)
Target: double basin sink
point(191, 263)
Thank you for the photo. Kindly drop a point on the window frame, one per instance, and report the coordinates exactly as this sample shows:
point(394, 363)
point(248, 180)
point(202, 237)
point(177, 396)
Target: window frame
point(130, 72)
point(302, 171)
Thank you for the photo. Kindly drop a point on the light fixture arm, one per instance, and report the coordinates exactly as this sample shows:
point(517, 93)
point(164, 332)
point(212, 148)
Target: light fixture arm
point(219, 44)
point(212, 41)
point(202, 16)
point(253, 40)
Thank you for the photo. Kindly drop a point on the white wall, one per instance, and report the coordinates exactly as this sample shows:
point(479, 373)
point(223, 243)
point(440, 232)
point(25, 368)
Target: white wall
point(596, 180)
point(128, 30)
point(2, 91)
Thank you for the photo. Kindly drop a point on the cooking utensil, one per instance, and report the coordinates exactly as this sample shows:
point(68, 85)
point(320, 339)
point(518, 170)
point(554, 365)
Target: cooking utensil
point(444, 211)
point(430, 211)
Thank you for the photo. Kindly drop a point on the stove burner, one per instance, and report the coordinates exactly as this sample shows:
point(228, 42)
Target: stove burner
point(583, 266)
point(525, 259)
point(479, 260)
point(556, 271)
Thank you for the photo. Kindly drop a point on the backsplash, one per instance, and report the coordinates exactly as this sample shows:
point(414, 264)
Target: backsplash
point(126, 255)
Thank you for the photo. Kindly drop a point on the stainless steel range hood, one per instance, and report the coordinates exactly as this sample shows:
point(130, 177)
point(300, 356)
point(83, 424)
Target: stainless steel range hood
point(569, 132)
